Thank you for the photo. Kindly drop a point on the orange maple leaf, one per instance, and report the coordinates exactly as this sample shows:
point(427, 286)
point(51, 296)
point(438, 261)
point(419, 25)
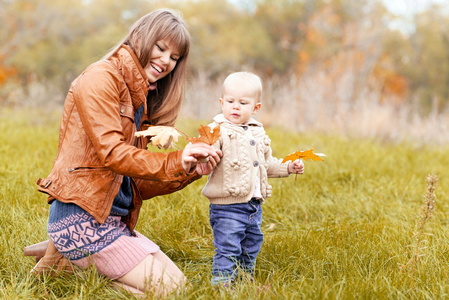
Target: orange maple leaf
point(206, 135)
point(308, 154)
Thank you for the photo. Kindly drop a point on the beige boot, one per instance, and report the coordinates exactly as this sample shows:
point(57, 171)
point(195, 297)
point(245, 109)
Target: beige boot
point(52, 263)
point(37, 250)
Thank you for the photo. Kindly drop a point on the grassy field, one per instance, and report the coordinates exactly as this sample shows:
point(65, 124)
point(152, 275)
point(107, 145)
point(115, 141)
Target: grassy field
point(343, 230)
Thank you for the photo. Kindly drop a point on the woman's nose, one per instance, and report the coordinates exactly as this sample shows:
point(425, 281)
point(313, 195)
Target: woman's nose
point(165, 58)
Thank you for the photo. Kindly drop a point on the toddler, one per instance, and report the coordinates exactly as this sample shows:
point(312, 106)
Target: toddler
point(238, 185)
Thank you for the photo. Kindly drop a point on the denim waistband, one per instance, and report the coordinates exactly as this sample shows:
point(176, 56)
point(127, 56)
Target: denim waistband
point(255, 200)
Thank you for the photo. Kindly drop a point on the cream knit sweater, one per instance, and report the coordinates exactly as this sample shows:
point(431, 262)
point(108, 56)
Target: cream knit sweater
point(246, 157)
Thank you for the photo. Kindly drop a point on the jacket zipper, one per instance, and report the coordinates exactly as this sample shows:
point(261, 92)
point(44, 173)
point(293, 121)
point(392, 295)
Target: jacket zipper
point(85, 168)
point(133, 184)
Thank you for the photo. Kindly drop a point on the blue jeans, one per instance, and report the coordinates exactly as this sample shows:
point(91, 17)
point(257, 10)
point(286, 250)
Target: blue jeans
point(237, 238)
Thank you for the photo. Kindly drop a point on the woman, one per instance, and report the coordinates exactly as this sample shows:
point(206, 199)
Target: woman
point(102, 172)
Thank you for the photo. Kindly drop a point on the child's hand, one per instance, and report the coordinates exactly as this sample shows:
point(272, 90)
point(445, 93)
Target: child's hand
point(296, 167)
point(269, 188)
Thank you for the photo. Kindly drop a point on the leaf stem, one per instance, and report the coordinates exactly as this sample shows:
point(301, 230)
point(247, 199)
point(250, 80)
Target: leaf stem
point(180, 131)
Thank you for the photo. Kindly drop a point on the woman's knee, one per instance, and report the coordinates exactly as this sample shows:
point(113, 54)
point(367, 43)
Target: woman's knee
point(170, 267)
point(156, 273)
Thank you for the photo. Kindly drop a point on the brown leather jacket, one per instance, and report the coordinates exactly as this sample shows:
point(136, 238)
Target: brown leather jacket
point(97, 146)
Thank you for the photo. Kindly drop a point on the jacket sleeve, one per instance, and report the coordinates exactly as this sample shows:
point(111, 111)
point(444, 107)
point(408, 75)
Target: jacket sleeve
point(275, 166)
point(97, 99)
point(149, 189)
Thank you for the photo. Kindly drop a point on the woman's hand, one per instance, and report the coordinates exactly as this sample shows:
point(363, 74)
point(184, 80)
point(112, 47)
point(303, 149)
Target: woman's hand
point(296, 167)
point(196, 151)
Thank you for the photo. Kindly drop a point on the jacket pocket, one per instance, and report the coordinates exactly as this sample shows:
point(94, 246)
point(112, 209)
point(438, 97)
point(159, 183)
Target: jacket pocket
point(89, 181)
point(127, 110)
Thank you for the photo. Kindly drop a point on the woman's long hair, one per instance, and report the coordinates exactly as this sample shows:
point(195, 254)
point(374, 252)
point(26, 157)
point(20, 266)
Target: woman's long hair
point(164, 103)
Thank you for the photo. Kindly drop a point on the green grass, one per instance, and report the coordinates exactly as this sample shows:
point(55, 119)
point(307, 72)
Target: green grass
point(340, 231)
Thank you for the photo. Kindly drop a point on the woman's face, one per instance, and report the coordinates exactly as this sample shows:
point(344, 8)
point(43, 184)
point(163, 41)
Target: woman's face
point(163, 59)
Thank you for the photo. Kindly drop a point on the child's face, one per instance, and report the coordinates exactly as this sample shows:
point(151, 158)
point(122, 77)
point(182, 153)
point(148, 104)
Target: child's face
point(239, 103)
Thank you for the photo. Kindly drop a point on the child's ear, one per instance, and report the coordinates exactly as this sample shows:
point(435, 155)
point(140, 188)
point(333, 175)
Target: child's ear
point(221, 102)
point(257, 108)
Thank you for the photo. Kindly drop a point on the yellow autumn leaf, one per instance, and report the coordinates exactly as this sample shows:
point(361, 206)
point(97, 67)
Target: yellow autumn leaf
point(161, 136)
point(308, 154)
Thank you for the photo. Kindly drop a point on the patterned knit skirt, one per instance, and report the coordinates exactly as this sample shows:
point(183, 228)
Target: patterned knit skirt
point(110, 246)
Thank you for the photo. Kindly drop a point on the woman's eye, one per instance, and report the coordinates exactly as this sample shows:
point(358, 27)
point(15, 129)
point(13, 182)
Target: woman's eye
point(174, 59)
point(159, 47)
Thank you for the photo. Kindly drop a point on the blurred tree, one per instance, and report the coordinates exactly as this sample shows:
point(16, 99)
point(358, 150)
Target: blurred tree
point(428, 68)
point(285, 23)
point(224, 37)
point(55, 40)
point(421, 57)
point(390, 75)
point(335, 42)
point(347, 46)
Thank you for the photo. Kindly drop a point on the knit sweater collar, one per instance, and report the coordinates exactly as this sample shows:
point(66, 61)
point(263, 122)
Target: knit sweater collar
point(221, 119)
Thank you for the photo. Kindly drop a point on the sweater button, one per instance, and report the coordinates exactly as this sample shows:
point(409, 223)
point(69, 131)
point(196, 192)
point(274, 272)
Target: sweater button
point(252, 142)
point(256, 163)
point(245, 127)
point(122, 110)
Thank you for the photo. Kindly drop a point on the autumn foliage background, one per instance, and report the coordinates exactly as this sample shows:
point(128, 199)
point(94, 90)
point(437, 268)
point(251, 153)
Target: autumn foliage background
point(347, 67)
point(346, 77)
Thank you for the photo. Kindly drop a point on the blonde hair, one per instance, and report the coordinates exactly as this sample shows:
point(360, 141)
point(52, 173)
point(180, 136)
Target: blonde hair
point(250, 80)
point(165, 102)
